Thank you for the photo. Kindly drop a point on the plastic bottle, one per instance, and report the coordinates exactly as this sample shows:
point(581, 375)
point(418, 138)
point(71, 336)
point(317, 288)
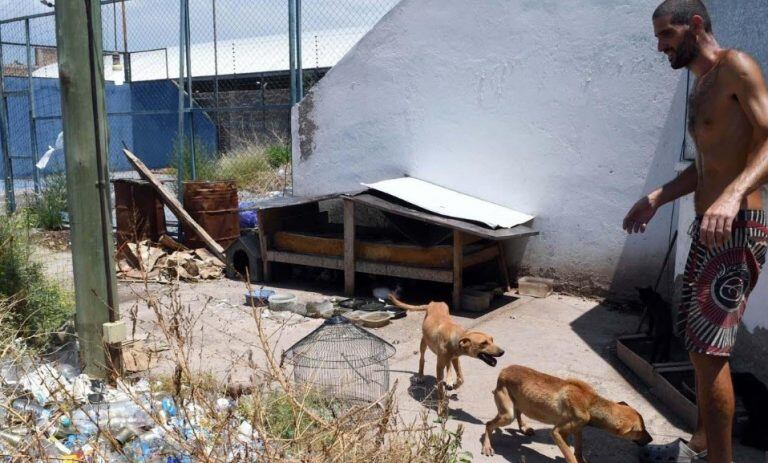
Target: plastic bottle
point(28, 406)
point(82, 424)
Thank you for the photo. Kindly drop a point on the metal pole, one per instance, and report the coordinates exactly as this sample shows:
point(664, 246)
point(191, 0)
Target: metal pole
point(10, 198)
point(84, 119)
point(292, 48)
point(187, 34)
point(31, 102)
point(216, 74)
point(299, 69)
point(180, 134)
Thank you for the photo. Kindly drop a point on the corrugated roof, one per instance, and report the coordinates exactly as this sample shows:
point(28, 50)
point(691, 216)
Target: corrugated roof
point(321, 49)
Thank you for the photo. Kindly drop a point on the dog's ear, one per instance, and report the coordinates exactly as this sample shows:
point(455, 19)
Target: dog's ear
point(624, 403)
point(464, 342)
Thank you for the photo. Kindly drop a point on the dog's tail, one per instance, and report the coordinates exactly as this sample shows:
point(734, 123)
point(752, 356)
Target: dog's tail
point(403, 305)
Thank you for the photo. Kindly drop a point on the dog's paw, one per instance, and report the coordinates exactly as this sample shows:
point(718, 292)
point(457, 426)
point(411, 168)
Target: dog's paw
point(487, 450)
point(528, 431)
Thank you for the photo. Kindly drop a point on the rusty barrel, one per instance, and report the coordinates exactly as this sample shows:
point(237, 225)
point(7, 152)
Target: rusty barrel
point(138, 212)
point(214, 206)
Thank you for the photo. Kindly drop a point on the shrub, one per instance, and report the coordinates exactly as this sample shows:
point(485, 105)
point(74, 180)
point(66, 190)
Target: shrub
point(39, 306)
point(46, 209)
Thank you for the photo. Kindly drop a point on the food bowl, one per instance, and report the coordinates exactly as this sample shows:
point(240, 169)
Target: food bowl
point(258, 297)
point(281, 302)
point(375, 319)
point(473, 300)
point(354, 316)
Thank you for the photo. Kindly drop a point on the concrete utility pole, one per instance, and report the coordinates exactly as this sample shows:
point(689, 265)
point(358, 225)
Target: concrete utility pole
point(81, 74)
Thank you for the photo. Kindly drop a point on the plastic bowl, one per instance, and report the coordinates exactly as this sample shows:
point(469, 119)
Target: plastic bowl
point(375, 319)
point(475, 301)
point(281, 302)
point(258, 297)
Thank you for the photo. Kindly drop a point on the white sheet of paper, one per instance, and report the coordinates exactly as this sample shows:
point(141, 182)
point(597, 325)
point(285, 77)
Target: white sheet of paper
point(46, 157)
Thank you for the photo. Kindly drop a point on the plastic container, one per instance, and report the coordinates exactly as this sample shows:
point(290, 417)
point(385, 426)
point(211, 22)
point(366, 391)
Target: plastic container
point(375, 319)
point(535, 286)
point(281, 302)
point(473, 300)
point(258, 297)
point(354, 316)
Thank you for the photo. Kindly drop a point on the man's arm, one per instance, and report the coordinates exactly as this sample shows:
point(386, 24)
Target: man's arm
point(750, 90)
point(643, 210)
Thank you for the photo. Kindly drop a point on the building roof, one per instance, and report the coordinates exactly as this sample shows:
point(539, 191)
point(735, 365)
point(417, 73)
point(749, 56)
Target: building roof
point(320, 49)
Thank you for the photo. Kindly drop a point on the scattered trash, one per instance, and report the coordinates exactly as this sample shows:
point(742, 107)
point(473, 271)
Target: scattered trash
point(99, 424)
point(166, 263)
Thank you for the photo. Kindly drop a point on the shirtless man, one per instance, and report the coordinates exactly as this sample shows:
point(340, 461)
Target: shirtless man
point(729, 123)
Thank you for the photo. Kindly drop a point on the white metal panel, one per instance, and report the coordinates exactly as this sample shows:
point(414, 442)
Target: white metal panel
point(450, 203)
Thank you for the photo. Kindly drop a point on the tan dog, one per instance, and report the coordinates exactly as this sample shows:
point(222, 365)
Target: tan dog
point(569, 405)
point(449, 341)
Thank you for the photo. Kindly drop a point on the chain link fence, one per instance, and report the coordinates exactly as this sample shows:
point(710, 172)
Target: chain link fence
point(198, 89)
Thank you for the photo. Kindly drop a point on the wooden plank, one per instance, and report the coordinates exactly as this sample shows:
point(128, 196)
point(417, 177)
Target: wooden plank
point(349, 248)
point(402, 271)
point(400, 254)
point(174, 205)
point(264, 245)
point(458, 268)
point(484, 255)
point(502, 259)
point(455, 224)
point(335, 263)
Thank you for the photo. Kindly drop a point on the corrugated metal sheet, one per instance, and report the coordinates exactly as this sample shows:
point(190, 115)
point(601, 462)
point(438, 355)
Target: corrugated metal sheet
point(450, 203)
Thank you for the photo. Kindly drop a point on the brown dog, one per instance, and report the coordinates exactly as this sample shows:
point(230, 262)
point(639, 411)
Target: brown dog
point(570, 405)
point(449, 341)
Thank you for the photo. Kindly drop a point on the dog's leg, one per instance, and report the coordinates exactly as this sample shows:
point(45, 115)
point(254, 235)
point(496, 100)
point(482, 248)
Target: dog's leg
point(524, 428)
point(503, 418)
point(559, 434)
point(423, 350)
point(459, 373)
point(442, 406)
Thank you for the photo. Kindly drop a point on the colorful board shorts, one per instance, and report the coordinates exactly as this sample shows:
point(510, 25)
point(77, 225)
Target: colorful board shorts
point(717, 283)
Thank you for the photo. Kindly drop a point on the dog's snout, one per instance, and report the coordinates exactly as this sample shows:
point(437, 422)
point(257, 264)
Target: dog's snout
point(501, 352)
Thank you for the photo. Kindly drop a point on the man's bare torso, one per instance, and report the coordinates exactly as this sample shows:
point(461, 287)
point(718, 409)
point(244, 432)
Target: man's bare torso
point(723, 135)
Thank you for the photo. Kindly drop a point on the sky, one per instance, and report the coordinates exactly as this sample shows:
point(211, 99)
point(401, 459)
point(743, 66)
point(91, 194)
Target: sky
point(155, 23)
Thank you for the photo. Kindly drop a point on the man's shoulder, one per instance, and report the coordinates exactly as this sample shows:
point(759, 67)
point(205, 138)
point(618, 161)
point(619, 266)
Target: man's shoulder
point(739, 63)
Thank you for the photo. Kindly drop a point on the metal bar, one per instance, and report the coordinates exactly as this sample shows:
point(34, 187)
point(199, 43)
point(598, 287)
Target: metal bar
point(10, 196)
point(299, 71)
point(187, 43)
point(180, 134)
point(216, 73)
point(241, 108)
point(292, 48)
point(31, 100)
point(43, 15)
point(78, 33)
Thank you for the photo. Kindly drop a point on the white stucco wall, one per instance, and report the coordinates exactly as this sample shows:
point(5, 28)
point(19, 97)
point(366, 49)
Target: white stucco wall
point(742, 24)
point(560, 109)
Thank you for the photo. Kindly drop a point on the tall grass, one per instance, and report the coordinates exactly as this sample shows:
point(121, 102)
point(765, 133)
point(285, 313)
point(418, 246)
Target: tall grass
point(47, 207)
point(39, 306)
point(254, 166)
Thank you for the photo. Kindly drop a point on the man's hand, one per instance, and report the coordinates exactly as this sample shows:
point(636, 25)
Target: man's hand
point(717, 222)
point(638, 217)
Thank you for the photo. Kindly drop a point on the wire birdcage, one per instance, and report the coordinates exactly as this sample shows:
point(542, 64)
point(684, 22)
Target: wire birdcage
point(341, 361)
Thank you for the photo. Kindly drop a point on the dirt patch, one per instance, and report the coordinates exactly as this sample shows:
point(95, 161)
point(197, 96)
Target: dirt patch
point(54, 240)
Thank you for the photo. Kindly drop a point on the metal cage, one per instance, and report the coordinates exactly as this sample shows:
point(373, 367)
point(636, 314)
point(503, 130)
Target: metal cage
point(341, 361)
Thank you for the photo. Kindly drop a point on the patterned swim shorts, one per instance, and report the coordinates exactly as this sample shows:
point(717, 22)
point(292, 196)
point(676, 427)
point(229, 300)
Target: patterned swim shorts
point(717, 283)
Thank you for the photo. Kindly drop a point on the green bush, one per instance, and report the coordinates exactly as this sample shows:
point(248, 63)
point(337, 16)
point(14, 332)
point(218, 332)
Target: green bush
point(278, 155)
point(205, 159)
point(39, 306)
point(46, 209)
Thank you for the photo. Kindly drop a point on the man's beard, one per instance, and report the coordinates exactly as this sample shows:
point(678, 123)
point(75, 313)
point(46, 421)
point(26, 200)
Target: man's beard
point(688, 51)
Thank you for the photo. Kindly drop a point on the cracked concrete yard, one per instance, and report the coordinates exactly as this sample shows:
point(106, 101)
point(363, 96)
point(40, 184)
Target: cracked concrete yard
point(561, 335)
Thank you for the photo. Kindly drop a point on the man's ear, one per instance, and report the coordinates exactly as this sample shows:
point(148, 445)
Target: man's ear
point(697, 23)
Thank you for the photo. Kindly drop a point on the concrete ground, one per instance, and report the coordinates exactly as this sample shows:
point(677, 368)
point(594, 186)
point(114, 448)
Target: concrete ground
point(561, 335)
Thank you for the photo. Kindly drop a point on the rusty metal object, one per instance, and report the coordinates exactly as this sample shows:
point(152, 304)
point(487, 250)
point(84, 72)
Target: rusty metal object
point(139, 212)
point(214, 206)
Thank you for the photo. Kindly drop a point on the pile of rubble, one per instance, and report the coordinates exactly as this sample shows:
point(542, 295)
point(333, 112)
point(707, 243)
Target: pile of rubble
point(166, 262)
point(125, 424)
